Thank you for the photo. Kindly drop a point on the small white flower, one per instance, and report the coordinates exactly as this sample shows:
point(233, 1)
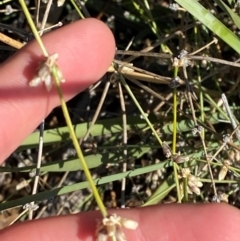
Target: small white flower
point(112, 227)
point(44, 72)
point(126, 68)
point(193, 182)
point(31, 206)
point(60, 3)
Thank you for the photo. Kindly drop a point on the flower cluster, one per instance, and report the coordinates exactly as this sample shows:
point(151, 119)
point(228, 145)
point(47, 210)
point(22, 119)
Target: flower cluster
point(193, 182)
point(112, 227)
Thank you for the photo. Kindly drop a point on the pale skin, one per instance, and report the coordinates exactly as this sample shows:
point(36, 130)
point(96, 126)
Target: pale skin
point(86, 49)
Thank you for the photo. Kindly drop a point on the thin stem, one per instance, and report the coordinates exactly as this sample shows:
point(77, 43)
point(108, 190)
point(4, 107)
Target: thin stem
point(45, 17)
point(174, 143)
point(175, 114)
point(96, 114)
point(231, 116)
point(76, 145)
point(33, 27)
point(214, 41)
point(140, 109)
point(169, 56)
point(37, 12)
point(77, 9)
point(175, 170)
point(83, 8)
point(39, 161)
point(124, 167)
point(189, 94)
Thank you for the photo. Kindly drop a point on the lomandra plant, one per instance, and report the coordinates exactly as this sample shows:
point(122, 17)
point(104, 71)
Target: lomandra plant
point(198, 156)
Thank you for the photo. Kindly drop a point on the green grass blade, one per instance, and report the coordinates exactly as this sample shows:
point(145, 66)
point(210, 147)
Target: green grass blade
point(63, 190)
point(110, 126)
point(210, 21)
point(93, 161)
point(161, 192)
point(235, 18)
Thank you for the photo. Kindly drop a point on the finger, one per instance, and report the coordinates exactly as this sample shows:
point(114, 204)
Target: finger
point(168, 222)
point(86, 49)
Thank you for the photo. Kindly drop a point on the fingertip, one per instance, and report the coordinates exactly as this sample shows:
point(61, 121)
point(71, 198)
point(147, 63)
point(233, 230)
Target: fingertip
point(161, 222)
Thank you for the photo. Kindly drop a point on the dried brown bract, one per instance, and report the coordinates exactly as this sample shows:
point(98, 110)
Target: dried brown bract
point(224, 170)
point(44, 72)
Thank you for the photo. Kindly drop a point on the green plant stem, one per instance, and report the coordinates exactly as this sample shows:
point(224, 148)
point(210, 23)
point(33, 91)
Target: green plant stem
point(77, 9)
point(152, 22)
point(175, 114)
point(199, 79)
point(140, 109)
point(33, 27)
point(174, 121)
point(76, 145)
point(185, 189)
point(175, 169)
point(174, 143)
point(213, 103)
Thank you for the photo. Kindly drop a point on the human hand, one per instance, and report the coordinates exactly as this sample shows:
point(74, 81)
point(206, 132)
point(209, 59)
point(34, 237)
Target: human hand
point(86, 49)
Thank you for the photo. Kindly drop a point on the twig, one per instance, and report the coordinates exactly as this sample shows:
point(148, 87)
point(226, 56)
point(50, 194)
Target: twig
point(230, 115)
point(100, 104)
point(44, 21)
point(39, 159)
point(170, 56)
point(124, 167)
